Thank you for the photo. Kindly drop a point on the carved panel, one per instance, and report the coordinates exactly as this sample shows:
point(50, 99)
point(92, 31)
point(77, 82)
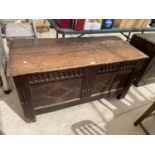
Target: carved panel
point(56, 92)
point(104, 82)
point(121, 79)
point(112, 77)
point(54, 76)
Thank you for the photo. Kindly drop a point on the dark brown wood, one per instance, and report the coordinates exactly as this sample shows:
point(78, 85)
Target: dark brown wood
point(145, 43)
point(51, 74)
point(23, 89)
point(56, 92)
point(50, 108)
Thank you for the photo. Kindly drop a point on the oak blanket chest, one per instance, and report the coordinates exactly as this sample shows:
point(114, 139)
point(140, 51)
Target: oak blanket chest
point(145, 43)
point(50, 74)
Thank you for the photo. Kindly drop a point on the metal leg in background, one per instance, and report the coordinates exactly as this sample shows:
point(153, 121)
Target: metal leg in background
point(80, 35)
point(1, 82)
point(34, 29)
point(127, 36)
point(57, 35)
point(63, 35)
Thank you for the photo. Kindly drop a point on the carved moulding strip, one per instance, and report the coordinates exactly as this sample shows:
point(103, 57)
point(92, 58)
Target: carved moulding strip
point(54, 76)
point(24, 93)
point(117, 66)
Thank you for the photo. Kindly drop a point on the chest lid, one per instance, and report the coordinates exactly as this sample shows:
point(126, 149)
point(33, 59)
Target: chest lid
point(43, 55)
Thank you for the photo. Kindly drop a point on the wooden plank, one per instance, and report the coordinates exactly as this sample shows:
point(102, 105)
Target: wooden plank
point(43, 55)
point(131, 23)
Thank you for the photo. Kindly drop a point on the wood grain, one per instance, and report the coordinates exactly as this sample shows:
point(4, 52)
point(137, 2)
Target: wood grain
point(42, 55)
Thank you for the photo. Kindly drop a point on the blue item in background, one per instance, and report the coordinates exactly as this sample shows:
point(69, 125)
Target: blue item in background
point(107, 23)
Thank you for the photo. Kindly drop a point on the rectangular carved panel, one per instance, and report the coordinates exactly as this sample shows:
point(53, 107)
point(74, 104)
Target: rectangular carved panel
point(56, 92)
point(103, 82)
point(121, 79)
point(106, 82)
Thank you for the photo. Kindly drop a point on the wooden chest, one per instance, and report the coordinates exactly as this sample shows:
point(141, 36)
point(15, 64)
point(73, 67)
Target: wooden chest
point(145, 43)
point(50, 74)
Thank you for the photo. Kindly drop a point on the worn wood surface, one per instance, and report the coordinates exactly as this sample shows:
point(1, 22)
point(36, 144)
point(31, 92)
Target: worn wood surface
point(42, 55)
